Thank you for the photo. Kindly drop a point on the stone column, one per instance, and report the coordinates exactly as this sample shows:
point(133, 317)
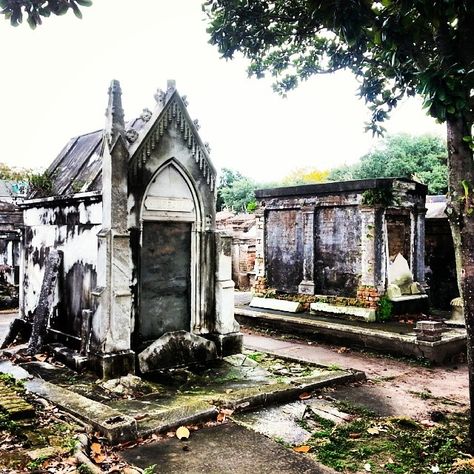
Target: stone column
point(373, 265)
point(227, 337)
point(307, 284)
point(111, 328)
point(419, 246)
point(259, 244)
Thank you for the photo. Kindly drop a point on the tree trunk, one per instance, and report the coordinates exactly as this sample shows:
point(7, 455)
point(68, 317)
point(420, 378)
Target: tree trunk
point(461, 217)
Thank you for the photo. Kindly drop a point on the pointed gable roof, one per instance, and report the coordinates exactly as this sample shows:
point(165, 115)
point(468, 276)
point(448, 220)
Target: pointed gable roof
point(78, 167)
point(171, 110)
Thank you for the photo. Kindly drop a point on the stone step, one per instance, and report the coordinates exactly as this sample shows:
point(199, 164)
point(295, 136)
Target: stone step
point(15, 406)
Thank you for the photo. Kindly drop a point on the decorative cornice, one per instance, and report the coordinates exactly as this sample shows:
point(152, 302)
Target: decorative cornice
point(175, 114)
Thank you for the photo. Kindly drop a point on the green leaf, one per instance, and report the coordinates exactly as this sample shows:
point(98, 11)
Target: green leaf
point(84, 3)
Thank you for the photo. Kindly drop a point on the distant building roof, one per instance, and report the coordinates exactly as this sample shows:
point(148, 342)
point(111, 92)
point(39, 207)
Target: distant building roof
point(11, 189)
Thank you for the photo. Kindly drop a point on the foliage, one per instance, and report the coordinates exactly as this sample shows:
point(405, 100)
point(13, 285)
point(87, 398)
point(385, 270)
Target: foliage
point(40, 184)
point(395, 48)
point(384, 309)
point(35, 10)
point(239, 195)
point(423, 158)
point(13, 173)
point(305, 176)
point(227, 177)
point(373, 197)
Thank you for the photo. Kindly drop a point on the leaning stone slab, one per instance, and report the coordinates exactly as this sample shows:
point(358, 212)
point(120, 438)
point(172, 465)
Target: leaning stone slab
point(114, 425)
point(174, 349)
point(365, 314)
point(277, 305)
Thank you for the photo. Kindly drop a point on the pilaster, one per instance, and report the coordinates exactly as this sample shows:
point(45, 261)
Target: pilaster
point(419, 246)
point(373, 244)
point(307, 284)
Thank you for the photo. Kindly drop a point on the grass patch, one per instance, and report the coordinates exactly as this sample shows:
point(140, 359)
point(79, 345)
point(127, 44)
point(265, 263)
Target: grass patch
point(394, 445)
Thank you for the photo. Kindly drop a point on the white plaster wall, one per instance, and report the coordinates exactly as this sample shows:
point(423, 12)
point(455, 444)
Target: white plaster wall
point(77, 242)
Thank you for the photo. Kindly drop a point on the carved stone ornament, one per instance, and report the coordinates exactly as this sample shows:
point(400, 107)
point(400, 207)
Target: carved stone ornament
point(207, 147)
point(131, 135)
point(184, 98)
point(146, 115)
point(196, 124)
point(160, 96)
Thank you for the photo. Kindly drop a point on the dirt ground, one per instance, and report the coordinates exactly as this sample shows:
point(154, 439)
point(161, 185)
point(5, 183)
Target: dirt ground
point(394, 386)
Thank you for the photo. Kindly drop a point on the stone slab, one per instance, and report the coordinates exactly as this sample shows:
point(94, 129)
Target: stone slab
point(277, 305)
point(282, 422)
point(113, 424)
point(6, 367)
point(359, 334)
point(228, 448)
point(365, 314)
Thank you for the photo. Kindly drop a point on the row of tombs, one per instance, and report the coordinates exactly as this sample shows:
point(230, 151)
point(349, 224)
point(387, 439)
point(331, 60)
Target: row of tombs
point(125, 236)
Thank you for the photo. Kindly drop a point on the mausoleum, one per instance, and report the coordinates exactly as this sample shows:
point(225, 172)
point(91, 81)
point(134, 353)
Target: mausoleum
point(145, 279)
point(342, 242)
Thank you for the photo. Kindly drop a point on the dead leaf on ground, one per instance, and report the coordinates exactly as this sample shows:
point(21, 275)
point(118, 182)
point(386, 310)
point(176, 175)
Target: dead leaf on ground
point(99, 458)
point(96, 448)
point(182, 433)
point(304, 396)
point(373, 430)
point(341, 350)
point(302, 449)
point(354, 435)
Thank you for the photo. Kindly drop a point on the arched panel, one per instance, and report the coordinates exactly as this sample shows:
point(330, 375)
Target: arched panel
point(170, 196)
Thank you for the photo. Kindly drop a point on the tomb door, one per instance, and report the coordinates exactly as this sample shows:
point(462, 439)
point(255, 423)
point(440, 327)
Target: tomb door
point(165, 281)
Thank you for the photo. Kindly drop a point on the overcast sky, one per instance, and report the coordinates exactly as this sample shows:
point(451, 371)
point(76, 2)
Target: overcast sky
point(54, 86)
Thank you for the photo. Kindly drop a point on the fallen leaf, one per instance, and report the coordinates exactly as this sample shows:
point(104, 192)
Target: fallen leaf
point(229, 390)
point(373, 430)
point(354, 435)
point(368, 467)
point(99, 458)
point(435, 468)
point(302, 449)
point(96, 448)
point(40, 357)
point(220, 417)
point(170, 434)
point(304, 396)
point(182, 433)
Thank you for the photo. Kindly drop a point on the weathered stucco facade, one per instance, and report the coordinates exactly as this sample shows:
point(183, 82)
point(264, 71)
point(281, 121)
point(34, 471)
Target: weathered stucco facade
point(11, 223)
point(133, 212)
point(338, 238)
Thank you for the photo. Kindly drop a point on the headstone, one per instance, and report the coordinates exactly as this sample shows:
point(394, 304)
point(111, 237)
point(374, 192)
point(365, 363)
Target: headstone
point(457, 312)
point(399, 274)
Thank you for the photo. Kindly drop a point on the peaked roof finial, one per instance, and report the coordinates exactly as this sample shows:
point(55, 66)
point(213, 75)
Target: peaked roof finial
point(115, 124)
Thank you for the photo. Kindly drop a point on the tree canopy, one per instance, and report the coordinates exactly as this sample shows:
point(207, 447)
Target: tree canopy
point(394, 47)
point(35, 10)
point(420, 157)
